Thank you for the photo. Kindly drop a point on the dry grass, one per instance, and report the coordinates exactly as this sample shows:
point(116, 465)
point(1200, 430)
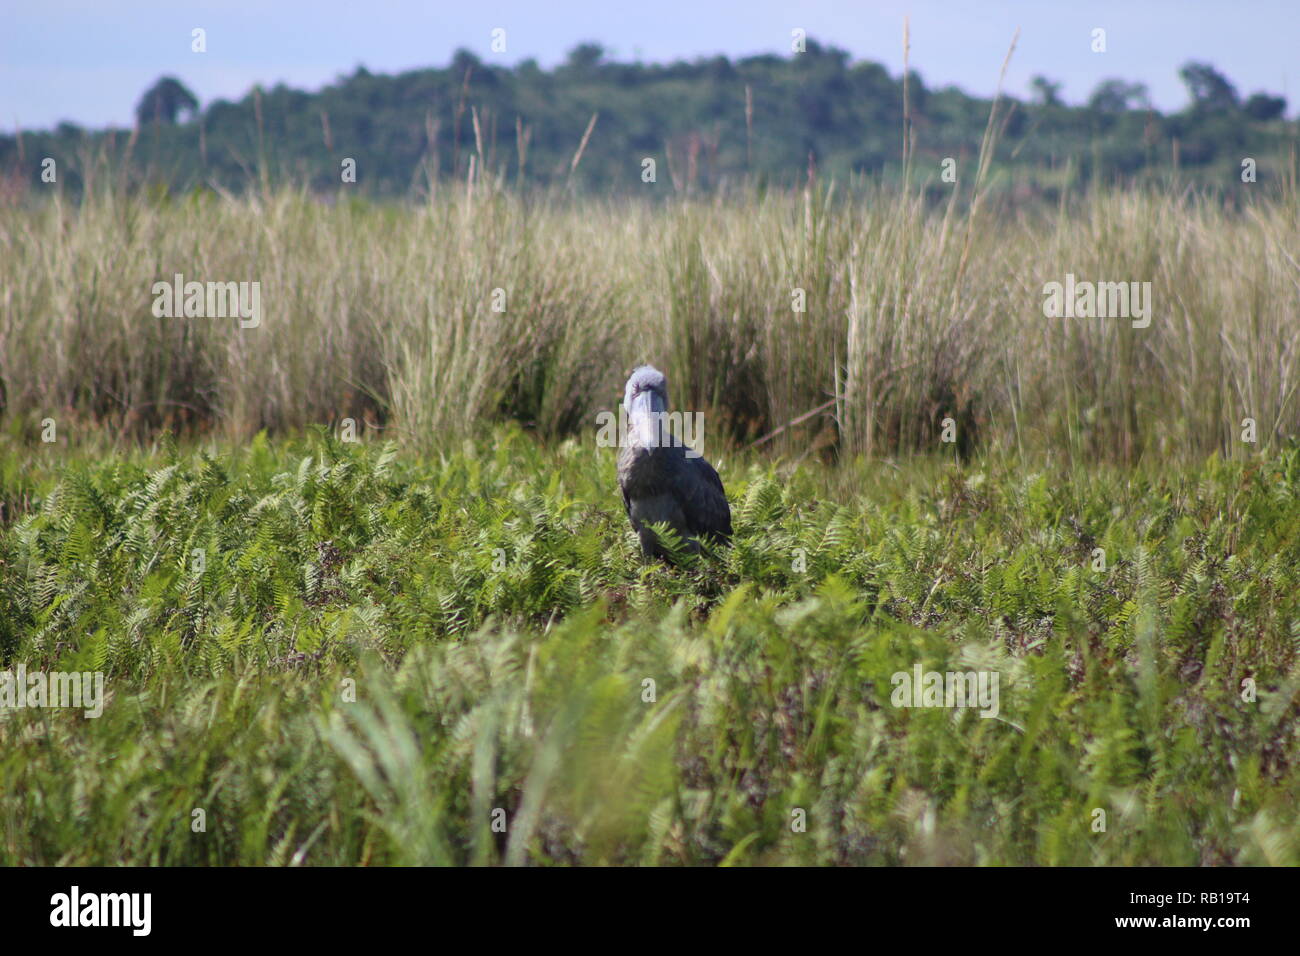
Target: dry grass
point(914, 314)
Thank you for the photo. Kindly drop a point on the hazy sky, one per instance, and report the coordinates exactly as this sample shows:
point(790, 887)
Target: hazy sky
point(89, 61)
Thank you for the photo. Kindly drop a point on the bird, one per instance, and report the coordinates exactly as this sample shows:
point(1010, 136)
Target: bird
point(659, 480)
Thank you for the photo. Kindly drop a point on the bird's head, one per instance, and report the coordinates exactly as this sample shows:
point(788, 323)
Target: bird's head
point(646, 401)
point(646, 391)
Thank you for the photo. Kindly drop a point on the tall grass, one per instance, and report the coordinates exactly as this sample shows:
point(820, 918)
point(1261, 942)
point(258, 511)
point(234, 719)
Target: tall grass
point(914, 314)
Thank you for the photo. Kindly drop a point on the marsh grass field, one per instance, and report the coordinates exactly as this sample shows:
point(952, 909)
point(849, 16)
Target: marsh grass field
point(439, 644)
point(496, 625)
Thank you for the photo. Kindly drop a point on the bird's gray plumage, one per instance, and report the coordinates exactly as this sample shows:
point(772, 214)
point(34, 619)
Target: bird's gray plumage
point(660, 483)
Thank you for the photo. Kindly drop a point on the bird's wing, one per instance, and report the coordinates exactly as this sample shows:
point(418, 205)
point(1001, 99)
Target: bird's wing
point(703, 500)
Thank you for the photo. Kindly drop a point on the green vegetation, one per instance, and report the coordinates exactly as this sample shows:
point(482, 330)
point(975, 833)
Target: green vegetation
point(525, 124)
point(499, 626)
point(441, 645)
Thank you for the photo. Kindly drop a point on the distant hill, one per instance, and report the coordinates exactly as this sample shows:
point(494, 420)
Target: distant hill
point(768, 119)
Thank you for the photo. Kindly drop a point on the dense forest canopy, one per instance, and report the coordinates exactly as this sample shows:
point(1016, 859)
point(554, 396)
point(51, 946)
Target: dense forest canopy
point(767, 119)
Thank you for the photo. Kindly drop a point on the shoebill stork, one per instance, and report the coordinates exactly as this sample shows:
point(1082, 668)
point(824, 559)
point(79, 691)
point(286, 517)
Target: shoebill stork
point(660, 482)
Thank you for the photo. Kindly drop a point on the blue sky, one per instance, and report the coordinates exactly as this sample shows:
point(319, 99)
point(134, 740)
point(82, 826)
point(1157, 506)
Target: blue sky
point(89, 61)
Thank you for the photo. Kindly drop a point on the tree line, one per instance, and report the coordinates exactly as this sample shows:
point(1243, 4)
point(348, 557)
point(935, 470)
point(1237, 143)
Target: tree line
point(613, 127)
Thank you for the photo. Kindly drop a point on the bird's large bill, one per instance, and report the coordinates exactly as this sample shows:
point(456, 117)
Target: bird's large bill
point(647, 420)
